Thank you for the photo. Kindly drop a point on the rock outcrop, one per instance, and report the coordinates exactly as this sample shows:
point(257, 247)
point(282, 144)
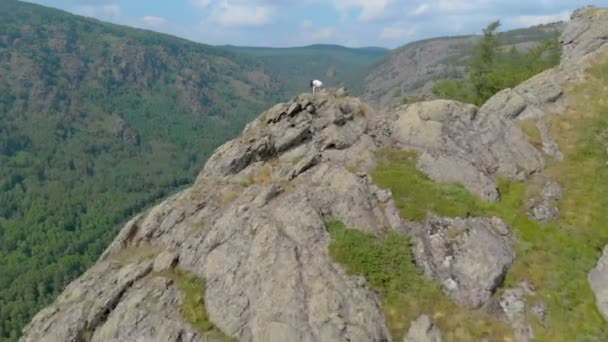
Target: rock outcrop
point(253, 225)
point(423, 330)
point(461, 143)
point(468, 257)
point(598, 278)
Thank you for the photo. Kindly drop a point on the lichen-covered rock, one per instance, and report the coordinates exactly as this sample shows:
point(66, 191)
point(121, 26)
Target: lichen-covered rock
point(598, 278)
point(253, 227)
point(469, 257)
point(86, 303)
point(587, 33)
point(136, 318)
point(423, 330)
point(506, 103)
point(165, 261)
point(545, 210)
point(514, 306)
point(460, 144)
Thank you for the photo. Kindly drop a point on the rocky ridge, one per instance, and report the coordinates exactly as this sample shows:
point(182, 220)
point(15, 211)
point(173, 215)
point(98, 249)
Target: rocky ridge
point(253, 225)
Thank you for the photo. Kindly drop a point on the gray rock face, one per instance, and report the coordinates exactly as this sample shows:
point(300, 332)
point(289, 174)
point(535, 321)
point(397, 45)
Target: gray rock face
point(423, 330)
point(253, 225)
point(587, 33)
point(507, 104)
point(141, 309)
point(598, 278)
point(86, 303)
point(469, 257)
point(165, 261)
point(514, 305)
point(460, 144)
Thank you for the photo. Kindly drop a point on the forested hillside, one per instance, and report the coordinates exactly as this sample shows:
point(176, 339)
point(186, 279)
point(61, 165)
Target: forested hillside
point(96, 122)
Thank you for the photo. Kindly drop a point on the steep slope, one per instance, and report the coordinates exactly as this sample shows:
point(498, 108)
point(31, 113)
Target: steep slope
point(412, 69)
point(337, 66)
point(98, 121)
point(300, 229)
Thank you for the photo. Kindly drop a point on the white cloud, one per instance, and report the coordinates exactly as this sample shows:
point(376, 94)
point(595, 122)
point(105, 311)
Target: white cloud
point(112, 11)
point(237, 13)
point(461, 5)
point(420, 10)
point(397, 33)
point(244, 15)
point(154, 21)
point(324, 34)
point(531, 20)
point(306, 24)
point(201, 3)
point(370, 9)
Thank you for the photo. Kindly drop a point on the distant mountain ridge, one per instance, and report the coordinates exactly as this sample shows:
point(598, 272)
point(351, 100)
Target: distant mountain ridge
point(411, 70)
point(336, 65)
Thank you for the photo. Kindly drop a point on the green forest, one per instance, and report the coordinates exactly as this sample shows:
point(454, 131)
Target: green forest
point(98, 122)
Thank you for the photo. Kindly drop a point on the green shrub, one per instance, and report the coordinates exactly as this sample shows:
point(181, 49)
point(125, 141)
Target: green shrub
point(193, 304)
point(386, 261)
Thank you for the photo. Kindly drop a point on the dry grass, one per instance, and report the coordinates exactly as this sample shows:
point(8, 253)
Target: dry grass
point(529, 127)
point(135, 254)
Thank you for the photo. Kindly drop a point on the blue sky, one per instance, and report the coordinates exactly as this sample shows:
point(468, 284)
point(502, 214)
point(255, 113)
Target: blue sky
point(355, 23)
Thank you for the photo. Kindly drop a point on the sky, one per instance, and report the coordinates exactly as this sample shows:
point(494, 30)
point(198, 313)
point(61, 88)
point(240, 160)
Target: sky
point(353, 23)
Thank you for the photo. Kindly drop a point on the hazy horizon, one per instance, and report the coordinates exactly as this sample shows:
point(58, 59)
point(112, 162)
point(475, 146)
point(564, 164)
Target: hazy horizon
point(351, 23)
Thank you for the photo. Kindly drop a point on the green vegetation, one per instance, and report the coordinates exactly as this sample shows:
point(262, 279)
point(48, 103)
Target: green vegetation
point(386, 261)
point(415, 194)
point(554, 258)
point(529, 127)
point(494, 67)
point(99, 121)
point(558, 258)
point(193, 304)
point(336, 66)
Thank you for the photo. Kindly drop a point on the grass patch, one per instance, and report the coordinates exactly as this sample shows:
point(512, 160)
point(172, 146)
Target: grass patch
point(193, 304)
point(529, 127)
point(387, 263)
point(415, 193)
point(554, 258)
point(558, 261)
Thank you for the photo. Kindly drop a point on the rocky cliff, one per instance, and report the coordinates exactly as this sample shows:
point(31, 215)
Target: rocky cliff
point(245, 252)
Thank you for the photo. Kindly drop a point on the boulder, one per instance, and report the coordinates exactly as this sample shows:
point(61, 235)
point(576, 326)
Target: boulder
point(586, 33)
point(598, 278)
point(423, 330)
point(469, 257)
point(506, 103)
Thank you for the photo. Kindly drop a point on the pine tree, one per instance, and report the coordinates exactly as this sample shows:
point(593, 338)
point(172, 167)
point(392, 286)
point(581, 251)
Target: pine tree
point(483, 63)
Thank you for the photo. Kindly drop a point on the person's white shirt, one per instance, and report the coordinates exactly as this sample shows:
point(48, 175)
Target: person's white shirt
point(317, 83)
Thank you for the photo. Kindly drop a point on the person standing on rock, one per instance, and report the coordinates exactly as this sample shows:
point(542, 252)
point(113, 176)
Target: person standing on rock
point(315, 85)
